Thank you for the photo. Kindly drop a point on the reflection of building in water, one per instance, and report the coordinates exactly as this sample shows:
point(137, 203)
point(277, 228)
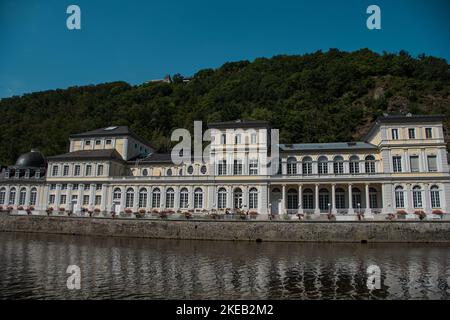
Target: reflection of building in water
point(136, 269)
point(400, 166)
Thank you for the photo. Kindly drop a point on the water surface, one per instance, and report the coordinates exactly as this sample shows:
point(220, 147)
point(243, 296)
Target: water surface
point(33, 266)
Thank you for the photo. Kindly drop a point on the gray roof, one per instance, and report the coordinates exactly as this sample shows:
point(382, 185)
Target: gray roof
point(104, 154)
point(358, 145)
point(112, 131)
point(239, 124)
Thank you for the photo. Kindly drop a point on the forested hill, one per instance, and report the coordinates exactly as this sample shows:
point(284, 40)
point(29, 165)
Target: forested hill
point(319, 97)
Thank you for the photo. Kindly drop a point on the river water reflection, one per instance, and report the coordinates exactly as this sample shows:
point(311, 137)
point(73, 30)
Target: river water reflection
point(34, 266)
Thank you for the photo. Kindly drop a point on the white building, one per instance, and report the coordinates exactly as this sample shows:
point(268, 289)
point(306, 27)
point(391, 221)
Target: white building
point(400, 167)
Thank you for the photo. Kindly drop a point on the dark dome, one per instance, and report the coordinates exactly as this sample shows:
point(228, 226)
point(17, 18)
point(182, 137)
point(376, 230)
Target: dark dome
point(31, 159)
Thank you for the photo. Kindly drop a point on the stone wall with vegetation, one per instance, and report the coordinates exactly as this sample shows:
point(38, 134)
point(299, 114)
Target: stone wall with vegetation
point(386, 231)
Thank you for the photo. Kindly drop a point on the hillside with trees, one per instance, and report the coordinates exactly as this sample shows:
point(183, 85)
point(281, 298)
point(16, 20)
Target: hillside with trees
point(318, 97)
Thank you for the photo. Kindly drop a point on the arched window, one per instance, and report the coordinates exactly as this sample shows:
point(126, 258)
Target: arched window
point(184, 198)
point(354, 165)
point(129, 199)
point(253, 198)
point(142, 198)
point(373, 201)
point(198, 198)
point(307, 166)
point(356, 198)
point(417, 197)
point(340, 198)
point(292, 199)
point(2, 195)
point(22, 196)
point(324, 199)
point(399, 197)
point(169, 172)
point(222, 198)
point(370, 164)
point(291, 166)
point(323, 165)
point(308, 199)
point(435, 197)
point(33, 196)
point(156, 198)
point(237, 198)
point(12, 196)
point(170, 198)
point(338, 165)
point(117, 194)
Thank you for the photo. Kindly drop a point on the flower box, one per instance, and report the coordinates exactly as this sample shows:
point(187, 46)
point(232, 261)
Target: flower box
point(437, 212)
point(20, 208)
point(49, 211)
point(187, 214)
point(422, 215)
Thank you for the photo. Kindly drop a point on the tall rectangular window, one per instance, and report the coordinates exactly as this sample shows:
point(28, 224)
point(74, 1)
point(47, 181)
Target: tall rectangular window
point(100, 170)
point(397, 163)
point(85, 200)
point(98, 200)
point(65, 170)
point(432, 163)
point(412, 133)
point(88, 170)
point(394, 134)
point(222, 168)
point(237, 167)
point(428, 133)
point(55, 170)
point(253, 167)
point(414, 163)
point(77, 170)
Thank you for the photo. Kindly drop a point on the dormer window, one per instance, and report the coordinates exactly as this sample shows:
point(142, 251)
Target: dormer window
point(17, 174)
point(27, 174)
point(37, 174)
point(108, 141)
point(394, 134)
point(7, 173)
point(87, 142)
point(97, 142)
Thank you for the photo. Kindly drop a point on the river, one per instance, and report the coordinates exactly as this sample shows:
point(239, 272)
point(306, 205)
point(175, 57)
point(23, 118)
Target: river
point(33, 266)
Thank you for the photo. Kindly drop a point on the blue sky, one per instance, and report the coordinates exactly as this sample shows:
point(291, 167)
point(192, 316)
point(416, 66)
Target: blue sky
point(137, 40)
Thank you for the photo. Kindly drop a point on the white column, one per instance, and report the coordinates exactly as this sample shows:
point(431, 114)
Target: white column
point(92, 195)
point(69, 197)
point(163, 197)
point(57, 196)
point(8, 189)
point(230, 203)
point(176, 199)
point(368, 209)
point(408, 199)
point(300, 199)
point(350, 200)
point(316, 195)
point(104, 195)
point(426, 199)
point(27, 196)
point(283, 199)
point(80, 196)
point(333, 199)
point(191, 197)
point(136, 199)
point(123, 198)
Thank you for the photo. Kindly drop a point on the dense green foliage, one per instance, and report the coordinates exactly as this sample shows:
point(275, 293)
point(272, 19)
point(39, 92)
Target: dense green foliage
point(319, 97)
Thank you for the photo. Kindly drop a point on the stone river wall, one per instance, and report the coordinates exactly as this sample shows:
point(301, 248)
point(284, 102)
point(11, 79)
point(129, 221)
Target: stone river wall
point(297, 231)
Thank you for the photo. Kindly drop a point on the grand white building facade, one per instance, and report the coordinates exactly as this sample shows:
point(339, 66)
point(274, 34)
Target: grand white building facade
point(400, 167)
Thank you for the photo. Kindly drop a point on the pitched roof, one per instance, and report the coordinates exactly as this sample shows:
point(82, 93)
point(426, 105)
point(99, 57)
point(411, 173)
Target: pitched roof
point(113, 131)
point(104, 154)
point(358, 145)
point(239, 124)
point(157, 158)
